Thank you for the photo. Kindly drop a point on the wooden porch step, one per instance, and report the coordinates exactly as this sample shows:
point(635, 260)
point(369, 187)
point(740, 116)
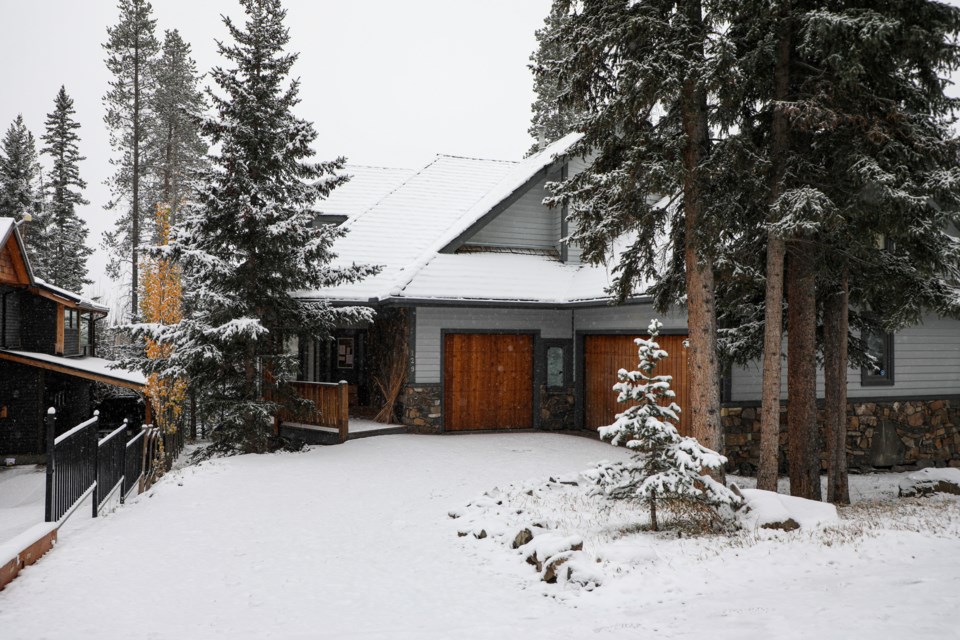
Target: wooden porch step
point(313, 434)
point(387, 430)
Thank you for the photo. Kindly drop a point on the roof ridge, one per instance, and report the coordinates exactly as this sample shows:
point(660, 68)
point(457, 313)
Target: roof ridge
point(451, 155)
point(347, 165)
point(416, 172)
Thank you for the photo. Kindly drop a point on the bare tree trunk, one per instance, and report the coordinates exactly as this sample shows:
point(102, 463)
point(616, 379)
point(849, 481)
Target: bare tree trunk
point(702, 365)
point(768, 469)
point(653, 512)
point(135, 209)
point(835, 326)
point(193, 415)
point(803, 456)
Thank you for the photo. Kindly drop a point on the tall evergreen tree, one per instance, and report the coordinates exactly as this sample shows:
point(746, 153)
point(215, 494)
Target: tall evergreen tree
point(864, 151)
point(640, 73)
point(246, 241)
point(21, 186)
point(19, 172)
point(132, 50)
point(64, 262)
point(176, 149)
point(550, 121)
point(881, 126)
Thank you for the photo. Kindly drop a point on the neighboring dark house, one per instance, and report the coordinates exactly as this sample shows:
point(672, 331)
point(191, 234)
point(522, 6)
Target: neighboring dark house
point(48, 339)
point(506, 329)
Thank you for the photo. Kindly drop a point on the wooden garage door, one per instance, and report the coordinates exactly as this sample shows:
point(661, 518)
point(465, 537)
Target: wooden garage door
point(605, 355)
point(487, 381)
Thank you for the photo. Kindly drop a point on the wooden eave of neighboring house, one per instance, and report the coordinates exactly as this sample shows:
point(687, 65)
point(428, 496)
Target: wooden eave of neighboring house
point(66, 368)
point(45, 291)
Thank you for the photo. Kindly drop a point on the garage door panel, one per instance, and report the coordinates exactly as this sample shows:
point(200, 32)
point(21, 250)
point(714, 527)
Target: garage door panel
point(604, 355)
point(488, 381)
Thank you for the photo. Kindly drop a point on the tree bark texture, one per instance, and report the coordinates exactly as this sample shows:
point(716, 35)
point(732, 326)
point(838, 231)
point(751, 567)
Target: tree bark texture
point(702, 363)
point(769, 467)
point(835, 326)
point(804, 454)
point(135, 209)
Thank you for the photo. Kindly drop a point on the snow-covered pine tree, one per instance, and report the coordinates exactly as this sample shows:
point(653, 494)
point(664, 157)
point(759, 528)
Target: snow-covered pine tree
point(868, 154)
point(65, 251)
point(665, 465)
point(247, 241)
point(132, 50)
point(21, 188)
point(550, 121)
point(880, 126)
point(640, 73)
point(19, 172)
point(176, 149)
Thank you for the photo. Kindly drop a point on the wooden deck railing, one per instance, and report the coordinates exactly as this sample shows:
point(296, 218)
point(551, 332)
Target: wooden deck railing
point(331, 402)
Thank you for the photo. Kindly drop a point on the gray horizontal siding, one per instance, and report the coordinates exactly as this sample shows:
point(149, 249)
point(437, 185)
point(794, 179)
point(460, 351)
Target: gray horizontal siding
point(526, 223)
point(574, 166)
point(431, 320)
point(926, 362)
point(629, 317)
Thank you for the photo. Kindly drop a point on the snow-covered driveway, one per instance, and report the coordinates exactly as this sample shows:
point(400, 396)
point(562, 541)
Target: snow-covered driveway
point(354, 541)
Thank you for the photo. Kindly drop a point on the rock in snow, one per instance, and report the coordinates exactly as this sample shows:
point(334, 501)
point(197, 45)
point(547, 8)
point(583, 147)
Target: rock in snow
point(769, 510)
point(929, 481)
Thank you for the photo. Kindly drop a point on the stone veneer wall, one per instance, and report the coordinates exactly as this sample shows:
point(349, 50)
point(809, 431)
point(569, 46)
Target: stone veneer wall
point(899, 434)
point(421, 408)
point(557, 409)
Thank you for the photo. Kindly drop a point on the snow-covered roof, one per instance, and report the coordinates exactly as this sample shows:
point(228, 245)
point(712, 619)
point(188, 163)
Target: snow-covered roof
point(399, 231)
point(412, 231)
point(505, 276)
point(86, 367)
point(367, 186)
point(82, 302)
point(8, 227)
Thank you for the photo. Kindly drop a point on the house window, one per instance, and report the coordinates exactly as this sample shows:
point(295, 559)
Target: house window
point(880, 348)
point(555, 368)
point(71, 319)
point(557, 364)
point(344, 353)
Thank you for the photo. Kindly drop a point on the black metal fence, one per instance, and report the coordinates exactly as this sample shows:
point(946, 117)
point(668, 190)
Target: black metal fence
point(78, 463)
point(172, 446)
point(71, 465)
point(111, 467)
point(133, 464)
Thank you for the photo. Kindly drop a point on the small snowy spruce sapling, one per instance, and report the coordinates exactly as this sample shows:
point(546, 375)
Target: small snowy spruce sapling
point(665, 464)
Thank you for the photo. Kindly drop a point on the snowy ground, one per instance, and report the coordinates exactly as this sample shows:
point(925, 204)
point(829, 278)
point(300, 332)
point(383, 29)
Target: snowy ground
point(355, 541)
point(21, 499)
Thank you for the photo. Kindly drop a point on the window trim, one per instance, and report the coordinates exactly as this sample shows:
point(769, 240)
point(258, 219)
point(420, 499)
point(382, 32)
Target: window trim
point(868, 380)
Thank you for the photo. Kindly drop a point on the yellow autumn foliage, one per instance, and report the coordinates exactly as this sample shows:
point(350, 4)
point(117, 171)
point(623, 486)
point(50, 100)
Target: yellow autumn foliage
point(160, 303)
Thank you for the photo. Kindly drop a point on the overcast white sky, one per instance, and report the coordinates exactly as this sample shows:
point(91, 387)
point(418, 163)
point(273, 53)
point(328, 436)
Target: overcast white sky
point(386, 82)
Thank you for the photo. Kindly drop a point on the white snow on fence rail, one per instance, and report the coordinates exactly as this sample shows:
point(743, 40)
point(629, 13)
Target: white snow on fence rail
point(76, 504)
point(135, 438)
point(113, 433)
point(71, 432)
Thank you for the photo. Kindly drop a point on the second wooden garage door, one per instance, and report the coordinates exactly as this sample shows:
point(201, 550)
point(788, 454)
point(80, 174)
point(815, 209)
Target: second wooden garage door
point(605, 355)
point(487, 381)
